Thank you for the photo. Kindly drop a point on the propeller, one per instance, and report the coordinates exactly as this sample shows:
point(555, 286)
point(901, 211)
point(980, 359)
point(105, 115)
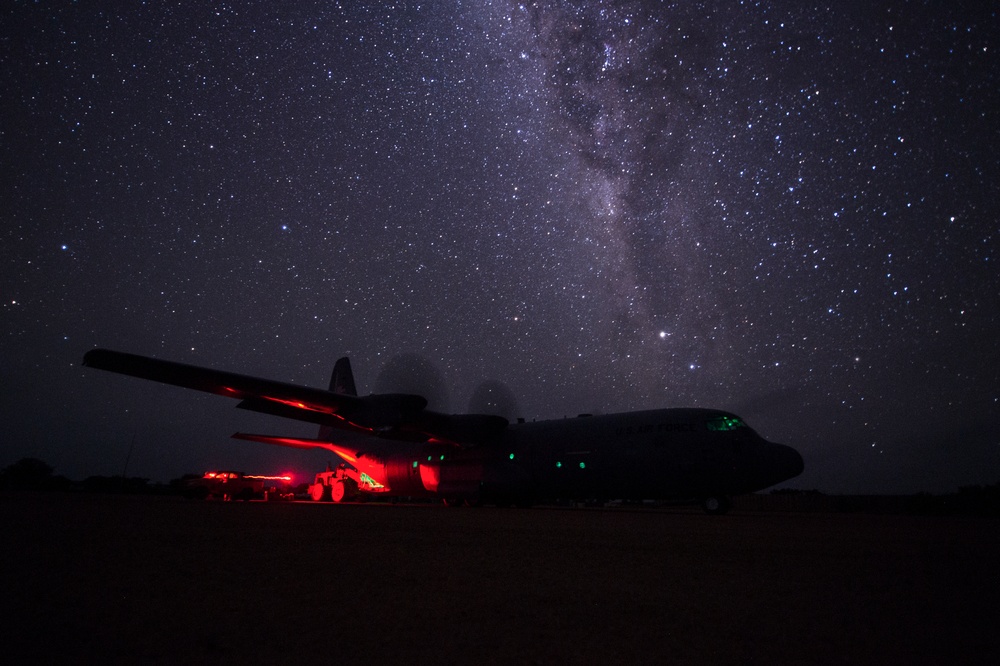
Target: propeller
point(494, 397)
point(412, 373)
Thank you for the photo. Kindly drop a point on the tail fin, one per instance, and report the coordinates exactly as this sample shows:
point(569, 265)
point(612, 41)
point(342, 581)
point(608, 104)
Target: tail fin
point(342, 380)
point(342, 383)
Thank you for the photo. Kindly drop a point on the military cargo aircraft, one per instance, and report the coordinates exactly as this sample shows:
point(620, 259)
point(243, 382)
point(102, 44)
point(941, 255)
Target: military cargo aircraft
point(392, 445)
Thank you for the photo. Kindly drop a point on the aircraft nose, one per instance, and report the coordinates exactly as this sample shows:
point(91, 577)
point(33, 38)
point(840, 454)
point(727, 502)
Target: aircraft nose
point(789, 461)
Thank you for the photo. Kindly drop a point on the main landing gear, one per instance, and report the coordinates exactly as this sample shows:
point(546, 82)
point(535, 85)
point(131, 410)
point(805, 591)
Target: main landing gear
point(716, 505)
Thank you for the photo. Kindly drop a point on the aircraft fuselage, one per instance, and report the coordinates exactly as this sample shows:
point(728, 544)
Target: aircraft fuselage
point(656, 454)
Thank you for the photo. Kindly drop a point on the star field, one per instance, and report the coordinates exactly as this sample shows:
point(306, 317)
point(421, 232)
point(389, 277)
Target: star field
point(784, 211)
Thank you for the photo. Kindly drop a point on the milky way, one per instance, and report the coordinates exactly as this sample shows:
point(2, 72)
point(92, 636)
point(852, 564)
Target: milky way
point(783, 211)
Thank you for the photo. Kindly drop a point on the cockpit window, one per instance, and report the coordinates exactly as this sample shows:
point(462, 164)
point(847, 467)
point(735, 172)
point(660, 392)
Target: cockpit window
point(725, 423)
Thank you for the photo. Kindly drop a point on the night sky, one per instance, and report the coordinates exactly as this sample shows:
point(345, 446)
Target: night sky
point(787, 212)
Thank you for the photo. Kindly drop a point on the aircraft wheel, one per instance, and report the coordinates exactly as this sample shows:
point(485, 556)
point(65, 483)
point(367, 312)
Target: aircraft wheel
point(716, 505)
point(319, 492)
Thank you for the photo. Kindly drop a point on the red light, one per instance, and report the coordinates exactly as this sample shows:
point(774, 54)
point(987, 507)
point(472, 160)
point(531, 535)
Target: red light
point(342, 452)
point(285, 477)
point(300, 405)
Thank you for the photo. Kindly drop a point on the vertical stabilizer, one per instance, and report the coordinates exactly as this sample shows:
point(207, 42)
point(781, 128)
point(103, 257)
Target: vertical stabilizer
point(342, 381)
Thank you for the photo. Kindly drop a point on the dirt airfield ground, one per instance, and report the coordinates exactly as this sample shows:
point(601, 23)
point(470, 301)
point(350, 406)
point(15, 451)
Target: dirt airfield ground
point(131, 579)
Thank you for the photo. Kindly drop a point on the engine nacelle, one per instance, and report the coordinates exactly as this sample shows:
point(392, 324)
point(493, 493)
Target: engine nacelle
point(451, 477)
point(454, 474)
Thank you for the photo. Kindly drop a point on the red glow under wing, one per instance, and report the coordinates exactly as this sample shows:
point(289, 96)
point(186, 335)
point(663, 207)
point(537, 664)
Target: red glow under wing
point(349, 454)
point(219, 382)
point(292, 401)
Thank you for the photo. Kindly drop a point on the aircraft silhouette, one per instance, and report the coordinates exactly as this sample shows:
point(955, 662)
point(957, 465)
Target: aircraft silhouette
point(393, 445)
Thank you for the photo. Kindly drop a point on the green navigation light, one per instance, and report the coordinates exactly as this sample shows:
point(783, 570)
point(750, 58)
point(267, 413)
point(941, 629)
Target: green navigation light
point(724, 423)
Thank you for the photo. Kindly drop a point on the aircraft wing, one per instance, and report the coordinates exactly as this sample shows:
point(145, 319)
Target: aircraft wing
point(293, 442)
point(348, 453)
point(266, 395)
point(394, 416)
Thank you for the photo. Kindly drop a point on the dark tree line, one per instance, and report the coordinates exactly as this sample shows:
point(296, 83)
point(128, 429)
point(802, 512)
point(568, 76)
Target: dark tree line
point(36, 475)
point(32, 474)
